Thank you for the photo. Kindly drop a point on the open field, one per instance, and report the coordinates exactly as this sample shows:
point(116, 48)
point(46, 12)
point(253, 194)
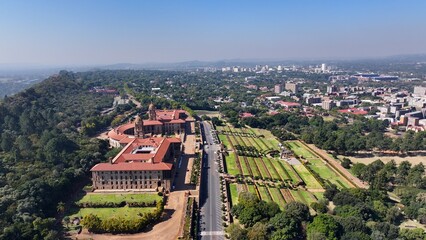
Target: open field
point(122, 212)
point(118, 198)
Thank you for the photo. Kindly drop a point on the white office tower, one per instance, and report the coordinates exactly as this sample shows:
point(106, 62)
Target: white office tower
point(323, 67)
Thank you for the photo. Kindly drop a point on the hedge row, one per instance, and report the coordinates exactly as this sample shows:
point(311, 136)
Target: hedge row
point(115, 205)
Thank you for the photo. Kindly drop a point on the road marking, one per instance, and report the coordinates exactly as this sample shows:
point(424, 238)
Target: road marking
point(212, 233)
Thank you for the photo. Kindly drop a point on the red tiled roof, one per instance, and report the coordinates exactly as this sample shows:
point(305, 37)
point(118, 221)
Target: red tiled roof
point(152, 160)
point(246, 115)
point(133, 166)
point(355, 111)
point(135, 143)
point(151, 122)
point(122, 128)
point(288, 104)
point(168, 114)
point(177, 121)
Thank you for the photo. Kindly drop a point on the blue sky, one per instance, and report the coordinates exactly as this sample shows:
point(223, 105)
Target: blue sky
point(58, 32)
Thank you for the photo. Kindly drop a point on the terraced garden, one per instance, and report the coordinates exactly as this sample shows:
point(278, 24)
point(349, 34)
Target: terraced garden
point(270, 178)
point(317, 165)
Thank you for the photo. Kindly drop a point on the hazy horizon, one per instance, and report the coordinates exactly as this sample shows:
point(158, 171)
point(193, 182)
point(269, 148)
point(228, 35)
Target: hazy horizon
point(87, 33)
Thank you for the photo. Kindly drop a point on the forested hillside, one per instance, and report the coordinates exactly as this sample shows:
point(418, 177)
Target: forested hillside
point(42, 154)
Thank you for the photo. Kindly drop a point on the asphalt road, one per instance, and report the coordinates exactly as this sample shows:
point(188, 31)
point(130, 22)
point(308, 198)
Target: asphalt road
point(210, 204)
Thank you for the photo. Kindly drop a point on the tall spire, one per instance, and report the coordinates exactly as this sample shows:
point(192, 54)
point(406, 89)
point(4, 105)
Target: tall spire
point(139, 127)
point(151, 112)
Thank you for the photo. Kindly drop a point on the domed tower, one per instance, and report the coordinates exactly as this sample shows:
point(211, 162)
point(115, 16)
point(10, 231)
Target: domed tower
point(151, 112)
point(139, 127)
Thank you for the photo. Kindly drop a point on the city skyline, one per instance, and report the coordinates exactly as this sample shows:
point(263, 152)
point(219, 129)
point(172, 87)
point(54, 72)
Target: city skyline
point(109, 32)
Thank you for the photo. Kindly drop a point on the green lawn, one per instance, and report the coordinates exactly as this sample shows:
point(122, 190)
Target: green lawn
point(327, 173)
point(269, 139)
point(277, 196)
point(307, 196)
point(294, 177)
point(298, 197)
point(264, 194)
point(319, 195)
point(262, 168)
point(300, 150)
point(225, 141)
point(234, 193)
point(117, 198)
point(253, 142)
point(105, 213)
point(271, 169)
point(244, 166)
point(317, 165)
point(231, 164)
point(252, 189)
point(258, 140)
point(307, 177)
point(253, 167)
point(280, 169)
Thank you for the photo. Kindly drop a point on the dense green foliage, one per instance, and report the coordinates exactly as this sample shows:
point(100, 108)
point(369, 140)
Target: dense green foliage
point(266, 221)
point(358, 214)
point(43, 156)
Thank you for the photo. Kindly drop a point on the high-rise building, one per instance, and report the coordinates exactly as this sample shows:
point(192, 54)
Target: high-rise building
point(294, 87)
point(278, 88)
point(331, 89)
point(328, 105)
point(323, 67)
point(419, 91)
